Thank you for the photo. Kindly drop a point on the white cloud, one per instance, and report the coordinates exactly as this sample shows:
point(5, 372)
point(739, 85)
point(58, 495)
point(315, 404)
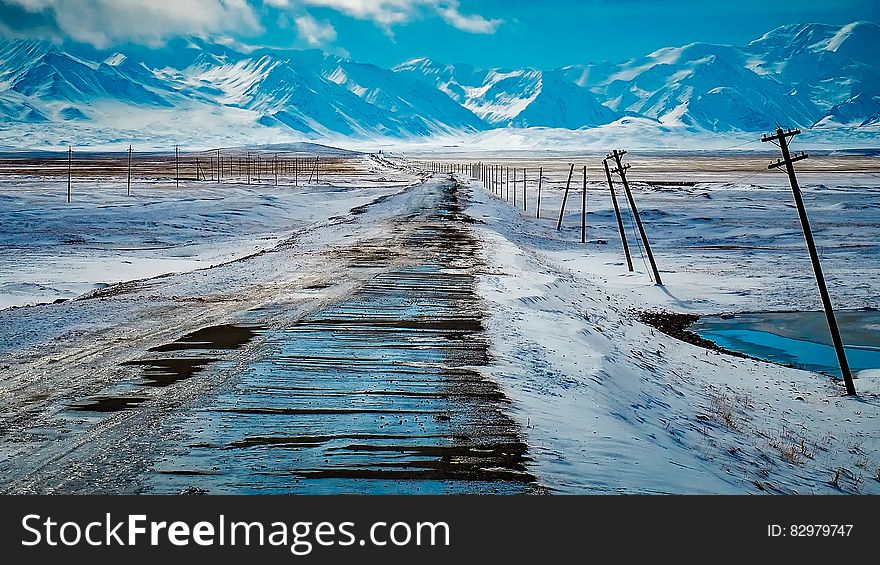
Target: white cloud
point(313, 32)
point(473, 23)
point(383, 12)
point(104, 22)
point(387, 13)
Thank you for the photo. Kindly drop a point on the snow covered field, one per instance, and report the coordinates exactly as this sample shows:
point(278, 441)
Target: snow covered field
point(616, 406)
point(604, 402)
point(105, 236)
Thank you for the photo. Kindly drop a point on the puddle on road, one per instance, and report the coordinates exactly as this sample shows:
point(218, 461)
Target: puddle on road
point(162, 372)
point(108, 404)
point(375, 394)
point(224, 336)
point(799, 339)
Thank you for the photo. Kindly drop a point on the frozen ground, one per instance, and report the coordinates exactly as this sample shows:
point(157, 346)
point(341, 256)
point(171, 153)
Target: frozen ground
point(605, 403)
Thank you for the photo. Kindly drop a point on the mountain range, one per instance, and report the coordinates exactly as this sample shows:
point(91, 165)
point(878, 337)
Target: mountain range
point(804, 75)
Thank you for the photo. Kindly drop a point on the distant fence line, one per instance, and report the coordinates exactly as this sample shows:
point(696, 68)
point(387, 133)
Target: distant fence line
point(215, 165)
point(517, 185)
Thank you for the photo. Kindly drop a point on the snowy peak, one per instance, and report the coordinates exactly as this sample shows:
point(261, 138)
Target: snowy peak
point(857, 40)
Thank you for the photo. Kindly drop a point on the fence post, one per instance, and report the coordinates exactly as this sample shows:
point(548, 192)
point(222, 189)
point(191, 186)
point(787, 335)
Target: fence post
point(514, 186)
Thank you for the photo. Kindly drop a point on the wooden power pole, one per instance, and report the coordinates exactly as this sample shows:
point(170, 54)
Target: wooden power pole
point(584, 209)
point(629, 263)
point(538, 203)
point(788, 162)
point(69, 168)
point(129, 170)
point(617, 155)
point(564, 198)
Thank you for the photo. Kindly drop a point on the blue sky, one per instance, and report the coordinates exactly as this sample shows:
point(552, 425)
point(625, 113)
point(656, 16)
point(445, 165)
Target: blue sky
point(507, 33)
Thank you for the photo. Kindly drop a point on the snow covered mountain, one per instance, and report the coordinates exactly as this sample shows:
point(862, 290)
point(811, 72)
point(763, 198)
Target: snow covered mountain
point(806, 75)
point(835, 66)
point(802, 75)
point(520, 98)
point(308, 92)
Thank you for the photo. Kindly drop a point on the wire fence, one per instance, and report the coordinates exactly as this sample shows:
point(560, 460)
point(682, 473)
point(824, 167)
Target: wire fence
point(216, 165)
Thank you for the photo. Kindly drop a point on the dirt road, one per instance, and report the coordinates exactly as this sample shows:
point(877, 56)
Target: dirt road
point(310, 368)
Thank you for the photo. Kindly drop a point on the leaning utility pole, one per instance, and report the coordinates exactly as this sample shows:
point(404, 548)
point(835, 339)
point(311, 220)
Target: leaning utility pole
point(129, 170)
point(788, 161)
point(564, 198)
point(629, 262)
point(617, 154)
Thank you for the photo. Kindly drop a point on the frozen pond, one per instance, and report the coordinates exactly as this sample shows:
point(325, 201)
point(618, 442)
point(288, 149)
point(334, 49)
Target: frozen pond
point(800, 339)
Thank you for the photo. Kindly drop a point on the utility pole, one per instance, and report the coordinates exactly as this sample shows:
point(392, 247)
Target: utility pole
point(538, 204)
point(69, 159)
point(129, 170)
point(248, 167)
point(219, 166)
point(629, 263)
point(617, 155)
point(788, 161)
point(524, 190)
point(584, 209)
point(177, 163)
point(564, 198)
